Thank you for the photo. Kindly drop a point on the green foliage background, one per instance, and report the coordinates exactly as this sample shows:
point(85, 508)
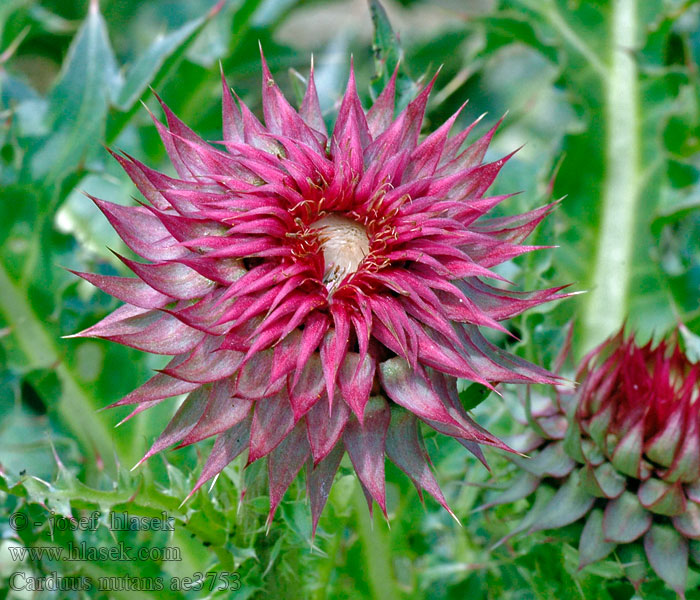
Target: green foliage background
point(604, 95)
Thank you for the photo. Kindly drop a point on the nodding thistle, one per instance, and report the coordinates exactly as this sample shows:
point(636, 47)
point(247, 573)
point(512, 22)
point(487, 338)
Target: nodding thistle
point(319, 294)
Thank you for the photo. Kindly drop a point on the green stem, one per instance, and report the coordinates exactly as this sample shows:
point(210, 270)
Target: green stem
point(607, 303)
point(375, 550)
point(38, 346)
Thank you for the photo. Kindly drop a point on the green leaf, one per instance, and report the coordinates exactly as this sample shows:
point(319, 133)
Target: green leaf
point(603, 481)
point(634, 563)
point(506, 26)
point(572, 442)
point(662, 498)
point(688, 523)
point(667, 552)
point(569, 504)
point(78, 102)
point(385, 46)
point(543, 499)
point(156, 59)
point(552, 460)
point(691, 343)
point(24, 437)
point(518, 488)
point(387, 55)
point(6, 9)
point(627, 455)
point(474, 395)
point(592, 545)
point(625, 519)
point(695, 550)
point(43, 382)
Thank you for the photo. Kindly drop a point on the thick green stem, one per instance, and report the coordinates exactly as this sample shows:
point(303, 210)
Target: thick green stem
point(40, 350)
point(375, 550)
point(607, 303)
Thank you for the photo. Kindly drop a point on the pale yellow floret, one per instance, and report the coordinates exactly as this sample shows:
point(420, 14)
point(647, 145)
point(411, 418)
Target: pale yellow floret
point(344, 243)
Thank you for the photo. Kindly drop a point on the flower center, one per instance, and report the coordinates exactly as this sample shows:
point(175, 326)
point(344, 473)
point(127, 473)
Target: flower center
point(344, 243)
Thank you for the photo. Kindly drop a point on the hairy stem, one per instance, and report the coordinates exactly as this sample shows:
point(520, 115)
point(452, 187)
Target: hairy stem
point(607, 304)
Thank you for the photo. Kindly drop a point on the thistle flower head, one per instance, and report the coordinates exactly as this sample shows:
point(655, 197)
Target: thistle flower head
point(644, 398)
point(629, 461)
point(318, 293)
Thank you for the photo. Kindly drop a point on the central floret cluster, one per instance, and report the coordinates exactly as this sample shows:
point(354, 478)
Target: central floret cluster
point(307, 284)
point(345, 245)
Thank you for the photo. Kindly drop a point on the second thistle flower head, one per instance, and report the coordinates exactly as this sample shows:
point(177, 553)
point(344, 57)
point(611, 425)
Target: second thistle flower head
point(629, 461)
point(318, 293)
point(640, 407)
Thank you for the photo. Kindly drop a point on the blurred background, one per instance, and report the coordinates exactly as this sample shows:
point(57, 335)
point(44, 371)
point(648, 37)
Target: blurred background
point(601, 95)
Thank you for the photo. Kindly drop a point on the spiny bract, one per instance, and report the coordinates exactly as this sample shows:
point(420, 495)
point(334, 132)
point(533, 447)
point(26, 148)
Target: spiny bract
point(318, 294)
point(627, 458)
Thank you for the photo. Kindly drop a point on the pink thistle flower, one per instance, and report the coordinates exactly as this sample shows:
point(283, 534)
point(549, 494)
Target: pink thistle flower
point(318, 293)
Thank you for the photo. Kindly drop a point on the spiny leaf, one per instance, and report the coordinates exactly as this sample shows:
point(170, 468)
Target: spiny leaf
point(152, 62)
point(78, 102)
point(474, 395)
point(388, 54)
point(152, 67)
point(385, 45)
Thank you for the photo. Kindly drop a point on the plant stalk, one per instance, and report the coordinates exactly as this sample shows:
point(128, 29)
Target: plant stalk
point(375, 550)
point(607, 304)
